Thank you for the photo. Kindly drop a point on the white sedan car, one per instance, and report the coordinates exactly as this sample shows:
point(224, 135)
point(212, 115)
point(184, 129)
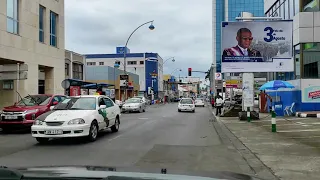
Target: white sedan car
point(85, 118)
point(186, 104)
point(199, 102)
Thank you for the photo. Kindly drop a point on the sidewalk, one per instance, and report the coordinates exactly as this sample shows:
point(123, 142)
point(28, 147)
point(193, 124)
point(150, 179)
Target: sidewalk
point(293, 153)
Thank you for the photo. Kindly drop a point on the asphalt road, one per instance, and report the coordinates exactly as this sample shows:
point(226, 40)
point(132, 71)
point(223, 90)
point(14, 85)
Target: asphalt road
point(160, 137)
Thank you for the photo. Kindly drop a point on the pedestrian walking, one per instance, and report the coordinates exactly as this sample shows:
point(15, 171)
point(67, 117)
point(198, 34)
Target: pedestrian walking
point(212, 102)
point(219, 105)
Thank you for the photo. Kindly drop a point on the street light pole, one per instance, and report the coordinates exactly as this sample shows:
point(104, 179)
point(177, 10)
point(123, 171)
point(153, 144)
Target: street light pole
point(151, 27)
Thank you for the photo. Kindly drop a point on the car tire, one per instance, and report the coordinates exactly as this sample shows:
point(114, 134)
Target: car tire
point(93, 132)
point(42, 140)
point(179, 110)
point(193, 111)
point(115, 127)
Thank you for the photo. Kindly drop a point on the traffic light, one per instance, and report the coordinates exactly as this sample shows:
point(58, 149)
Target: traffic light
point(189, 71)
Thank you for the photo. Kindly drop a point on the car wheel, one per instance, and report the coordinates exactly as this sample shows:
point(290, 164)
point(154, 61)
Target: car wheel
point(42, 140)
point(115, 127)
point(193, 111)
point(179, 110)
point(93, 132)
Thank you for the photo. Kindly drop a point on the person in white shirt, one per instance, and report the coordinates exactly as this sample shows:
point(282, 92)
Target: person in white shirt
point(219, 105)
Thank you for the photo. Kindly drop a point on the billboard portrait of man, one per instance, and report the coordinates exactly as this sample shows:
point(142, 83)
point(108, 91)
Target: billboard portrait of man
point(244, 39)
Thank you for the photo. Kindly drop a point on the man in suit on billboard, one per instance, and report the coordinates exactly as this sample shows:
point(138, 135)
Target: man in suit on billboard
point(244, 38)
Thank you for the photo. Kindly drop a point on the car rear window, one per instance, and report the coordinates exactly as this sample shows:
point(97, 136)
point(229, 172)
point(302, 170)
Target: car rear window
point(186, 101)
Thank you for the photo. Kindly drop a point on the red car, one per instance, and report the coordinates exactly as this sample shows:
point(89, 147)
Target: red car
point(23, 113)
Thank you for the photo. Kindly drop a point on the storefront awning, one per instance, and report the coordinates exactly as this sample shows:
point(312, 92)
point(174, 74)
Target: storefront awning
point(96, 85)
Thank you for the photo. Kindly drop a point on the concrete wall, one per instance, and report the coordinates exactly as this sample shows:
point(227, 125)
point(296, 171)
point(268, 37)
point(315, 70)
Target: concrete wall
point(306, 27)
point(74, 58)
point(26, 48)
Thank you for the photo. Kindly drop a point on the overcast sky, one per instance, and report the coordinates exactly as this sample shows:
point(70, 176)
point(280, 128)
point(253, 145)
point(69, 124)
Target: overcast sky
point(182, 29)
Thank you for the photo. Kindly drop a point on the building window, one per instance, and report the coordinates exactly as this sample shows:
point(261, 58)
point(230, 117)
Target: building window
point(141, 62)
point(77, 71)
point(66, 67)
point(42, 13)
point(132, 62)
point(101, 63)
point(12, 16)
point(7, 85)
point(310, 5)
point(311, 60)
point(53, 28)
point(91, 63)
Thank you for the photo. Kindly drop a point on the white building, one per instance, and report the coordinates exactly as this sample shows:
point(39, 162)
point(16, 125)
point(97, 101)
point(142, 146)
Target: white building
point(31, 34)
point(149, 67)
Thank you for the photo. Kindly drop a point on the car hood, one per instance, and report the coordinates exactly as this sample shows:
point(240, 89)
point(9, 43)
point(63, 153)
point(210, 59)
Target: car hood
point(15, 108)
point(114, 172)
point(63, 115)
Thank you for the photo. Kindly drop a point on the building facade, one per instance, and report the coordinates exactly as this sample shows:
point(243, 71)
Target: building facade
point(148, 66)
point(306, 39)
point(110, 76)
point(74, 65)
point(32, 43)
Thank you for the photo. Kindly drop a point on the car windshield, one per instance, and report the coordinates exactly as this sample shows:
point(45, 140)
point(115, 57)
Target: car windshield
point(84, 103)
point(34, 100)
point(186, 101)
point(136, 100)
point(66, 104)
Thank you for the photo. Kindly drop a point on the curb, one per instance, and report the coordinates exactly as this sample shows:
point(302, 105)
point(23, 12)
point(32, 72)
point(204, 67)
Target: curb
point(306, 115)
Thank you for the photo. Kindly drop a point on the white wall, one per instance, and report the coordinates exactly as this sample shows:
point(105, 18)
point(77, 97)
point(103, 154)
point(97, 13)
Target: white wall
point(160, 73)
point(310, 88)
point(138, 68)
point(306, 27)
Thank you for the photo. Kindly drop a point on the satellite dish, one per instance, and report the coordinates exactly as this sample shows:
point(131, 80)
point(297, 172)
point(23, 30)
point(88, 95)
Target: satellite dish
point(65, 84)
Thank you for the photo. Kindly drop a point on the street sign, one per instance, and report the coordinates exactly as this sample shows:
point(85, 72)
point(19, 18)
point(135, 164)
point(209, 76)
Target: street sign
point(233, 83)
point(124, 79)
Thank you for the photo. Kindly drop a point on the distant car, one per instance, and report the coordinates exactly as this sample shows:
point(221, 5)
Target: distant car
point(199, 102)
point(145, 100)
point(134, 105)
point(85, 118)
point(186, 104)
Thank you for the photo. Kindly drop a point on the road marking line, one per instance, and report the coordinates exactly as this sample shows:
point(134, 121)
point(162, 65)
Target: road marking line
point(305, 137)
point(115, 137)
point(302, 130)
point(143, 118)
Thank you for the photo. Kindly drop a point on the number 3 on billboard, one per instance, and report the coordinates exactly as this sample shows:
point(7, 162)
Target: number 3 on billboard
point(269, 34)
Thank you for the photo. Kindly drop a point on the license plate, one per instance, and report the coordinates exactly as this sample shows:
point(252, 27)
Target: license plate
point(53, 132)
point(11, 117)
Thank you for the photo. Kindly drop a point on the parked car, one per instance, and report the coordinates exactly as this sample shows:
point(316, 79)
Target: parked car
point(186, 104)
point(23, 113)
point(85, 118)
point(134, 104)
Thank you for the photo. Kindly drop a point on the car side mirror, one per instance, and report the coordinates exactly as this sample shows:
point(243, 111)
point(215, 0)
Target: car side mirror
point(55, 103)
point(102, 107)
point(51, 108)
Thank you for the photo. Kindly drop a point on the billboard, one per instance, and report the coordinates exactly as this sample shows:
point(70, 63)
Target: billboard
point(151, 71)
point(257, 46)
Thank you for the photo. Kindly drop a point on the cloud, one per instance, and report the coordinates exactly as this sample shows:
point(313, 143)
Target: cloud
point(183, 29)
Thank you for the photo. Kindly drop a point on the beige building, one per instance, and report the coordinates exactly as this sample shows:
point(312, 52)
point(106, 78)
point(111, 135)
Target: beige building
point(74, 65)
point(31, 34)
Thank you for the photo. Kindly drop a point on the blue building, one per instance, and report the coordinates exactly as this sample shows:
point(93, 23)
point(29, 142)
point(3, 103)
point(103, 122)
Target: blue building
point(228, 10)
point(148, 66)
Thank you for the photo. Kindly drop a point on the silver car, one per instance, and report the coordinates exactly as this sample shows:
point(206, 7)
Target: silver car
point(145, 100)
point(134, 105)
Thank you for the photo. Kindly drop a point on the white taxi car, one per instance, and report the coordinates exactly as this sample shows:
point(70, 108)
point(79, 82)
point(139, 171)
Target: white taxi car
point(186, 104)
point(86, 117)
point(199, 102)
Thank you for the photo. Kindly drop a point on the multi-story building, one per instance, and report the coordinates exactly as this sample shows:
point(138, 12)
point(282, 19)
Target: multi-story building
point(149, 67)
point(31, 41)
point(306, 39)
point(74, 65)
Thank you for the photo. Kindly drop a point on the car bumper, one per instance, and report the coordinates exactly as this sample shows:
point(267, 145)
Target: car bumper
point(13, 124)
point(68, 131)
point(186, 109)
point(130, 109)
point(199, 105)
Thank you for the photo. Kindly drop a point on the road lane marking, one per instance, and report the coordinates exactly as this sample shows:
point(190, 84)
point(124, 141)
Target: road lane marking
point(115, 137)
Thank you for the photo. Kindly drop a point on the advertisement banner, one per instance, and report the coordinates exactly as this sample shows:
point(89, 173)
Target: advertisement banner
point(257, 46)
point(75, 91)
point(218, 76)
point(310, 91)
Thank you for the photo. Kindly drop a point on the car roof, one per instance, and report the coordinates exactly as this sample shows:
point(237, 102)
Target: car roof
point(93, 96)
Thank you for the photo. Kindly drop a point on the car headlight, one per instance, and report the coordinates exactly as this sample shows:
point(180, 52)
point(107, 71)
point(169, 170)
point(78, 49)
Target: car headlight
point(37, 122)
point(76, 121)
point(31, 111)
